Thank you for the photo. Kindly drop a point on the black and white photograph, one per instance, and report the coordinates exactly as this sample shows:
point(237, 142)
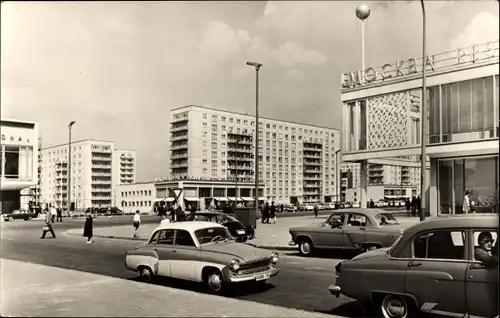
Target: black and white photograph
point(335, 159)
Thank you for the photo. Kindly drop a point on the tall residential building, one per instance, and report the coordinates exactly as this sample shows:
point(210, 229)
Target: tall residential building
point(18, 158)
point(124, 160)
point(96, 168)
point(297, 161)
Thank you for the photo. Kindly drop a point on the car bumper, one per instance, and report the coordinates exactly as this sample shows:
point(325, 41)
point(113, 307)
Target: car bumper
point(253, 277)
point(291, 243)
point(334, 290)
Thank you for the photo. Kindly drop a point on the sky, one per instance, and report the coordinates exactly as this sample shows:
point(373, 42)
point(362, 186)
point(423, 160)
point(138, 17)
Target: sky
point(117, 68)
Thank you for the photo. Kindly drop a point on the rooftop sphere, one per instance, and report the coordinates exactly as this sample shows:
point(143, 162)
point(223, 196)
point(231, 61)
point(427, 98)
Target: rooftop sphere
point(363, 12)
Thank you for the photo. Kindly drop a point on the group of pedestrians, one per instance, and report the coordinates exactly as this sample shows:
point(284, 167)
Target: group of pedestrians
point(413, 207)
point(269, 213)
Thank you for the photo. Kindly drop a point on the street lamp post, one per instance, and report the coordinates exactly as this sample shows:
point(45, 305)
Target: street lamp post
point(257, 67)
point(69, 169)
point(236, 177)
point(423, 138)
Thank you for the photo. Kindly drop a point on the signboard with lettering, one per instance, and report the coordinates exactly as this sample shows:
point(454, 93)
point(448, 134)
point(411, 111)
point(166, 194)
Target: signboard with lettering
point(468, 55)
point(13, 139)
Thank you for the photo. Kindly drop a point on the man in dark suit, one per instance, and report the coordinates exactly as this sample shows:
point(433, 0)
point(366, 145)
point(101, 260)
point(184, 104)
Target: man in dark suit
point(483, 253)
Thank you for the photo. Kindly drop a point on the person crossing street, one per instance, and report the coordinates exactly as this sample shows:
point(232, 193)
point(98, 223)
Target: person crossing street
point(48, 226)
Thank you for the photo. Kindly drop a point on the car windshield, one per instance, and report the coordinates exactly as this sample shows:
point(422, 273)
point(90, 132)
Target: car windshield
point(396, 242)
point(212, 234)
point(335, 219)
point(386, 219)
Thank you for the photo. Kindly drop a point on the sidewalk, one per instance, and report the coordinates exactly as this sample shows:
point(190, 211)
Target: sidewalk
point(43, 291)
point(269, 236)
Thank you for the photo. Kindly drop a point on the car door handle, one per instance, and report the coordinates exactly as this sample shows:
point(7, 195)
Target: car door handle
point(414, 264)
point(477, 266)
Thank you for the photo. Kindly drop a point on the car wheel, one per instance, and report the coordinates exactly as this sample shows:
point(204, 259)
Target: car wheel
point(145, 274)
point(214, 281)
point(30, 218)
point(394, 306)
point(11, 218)
point(250, 236)
point(305, 247)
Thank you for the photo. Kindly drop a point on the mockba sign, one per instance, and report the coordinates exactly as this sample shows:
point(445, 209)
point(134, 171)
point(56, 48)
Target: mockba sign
point(469, 55)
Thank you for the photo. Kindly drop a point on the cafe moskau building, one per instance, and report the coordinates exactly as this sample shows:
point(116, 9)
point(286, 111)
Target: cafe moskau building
point(381, 113)
point(201, 193)
point(19, 161)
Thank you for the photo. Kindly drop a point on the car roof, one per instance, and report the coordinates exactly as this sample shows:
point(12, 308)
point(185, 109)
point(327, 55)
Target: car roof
point(188, 226)
point(210, 213)
point(473, 220)
point(365, 211)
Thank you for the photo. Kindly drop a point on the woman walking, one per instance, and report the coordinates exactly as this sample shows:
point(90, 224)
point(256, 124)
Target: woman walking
point(136, 222)
point(88, 228)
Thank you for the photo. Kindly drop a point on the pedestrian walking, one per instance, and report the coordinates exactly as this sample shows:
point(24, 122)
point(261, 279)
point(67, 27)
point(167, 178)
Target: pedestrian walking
point(316, 208)
point(48, 226)
point(272, 212)
point(282, 208)
point(408, 206)
point(88, 228)
point(265, 213)
point(179, 214)
point(136, 222)
point(53, 213)
point(413, 206)
point(193, 209)
point(59, 215)
point(418, 204)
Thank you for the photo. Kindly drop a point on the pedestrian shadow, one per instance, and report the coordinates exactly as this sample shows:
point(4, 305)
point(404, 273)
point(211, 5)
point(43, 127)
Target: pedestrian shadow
point(233, 290)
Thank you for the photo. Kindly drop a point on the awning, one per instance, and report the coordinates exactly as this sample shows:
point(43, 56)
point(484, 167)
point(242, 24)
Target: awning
point(262, 199)
point(159, 200)
point(221, 198)
point(191, 199)
point(234, 199)
point(247, 199)
point(169, 200)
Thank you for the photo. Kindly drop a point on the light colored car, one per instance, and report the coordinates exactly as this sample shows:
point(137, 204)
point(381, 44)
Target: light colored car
point(446, 266)
point(203, 252)
point(289, 208)
point(330, 206)
point(347, 205)
point(321, 207)
point(356, 205)
point(308, 207)
point(357, 230)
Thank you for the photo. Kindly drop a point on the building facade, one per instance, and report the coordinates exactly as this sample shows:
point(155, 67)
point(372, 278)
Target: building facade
point(125, 161)
point(131, 197)
point(297, 162)
point(204, 193)
point(94, 174)
point(18, 156)
point(382, 120)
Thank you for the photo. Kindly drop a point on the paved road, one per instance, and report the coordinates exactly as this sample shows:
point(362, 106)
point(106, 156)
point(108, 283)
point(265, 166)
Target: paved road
point(302, 282)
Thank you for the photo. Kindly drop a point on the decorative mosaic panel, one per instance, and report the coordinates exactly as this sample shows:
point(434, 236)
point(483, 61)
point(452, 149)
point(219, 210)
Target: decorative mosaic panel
point(387, 120)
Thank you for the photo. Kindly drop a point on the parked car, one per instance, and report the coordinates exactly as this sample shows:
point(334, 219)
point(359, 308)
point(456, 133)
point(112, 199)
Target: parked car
point(289, 208)
point(357, 230)
point(330, 206)
point(238, 230)
point(347, 205)
point(381, 204)
point(203, 252)
point(19, 215)
point(307, 207)
point(356, 205)
point(439, 266)
point(321, 207)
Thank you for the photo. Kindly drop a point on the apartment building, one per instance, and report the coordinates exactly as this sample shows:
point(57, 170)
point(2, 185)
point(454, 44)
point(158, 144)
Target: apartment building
point(390, 180)
point(296, 161)
point(125, 173)
point(96, 168)
point(18, 168)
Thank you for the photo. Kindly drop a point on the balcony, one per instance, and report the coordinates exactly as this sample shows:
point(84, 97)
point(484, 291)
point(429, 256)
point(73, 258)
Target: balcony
point(179, 165)
point(312, 186)
point(101, 174)
point(179, 128)
point(312, 155)
point(312, 146)
point(310, 192)
point(240, 167)
point(240, 158)
point(248, 142)
point(312, 171)
point(101, 181)
point(179, 138)
point(179, 156)
point(248, 150)
point(310, 178)
point(179, 120)
point(312, 162)
point(100, 151)
point(179, 147)
point(100, 166)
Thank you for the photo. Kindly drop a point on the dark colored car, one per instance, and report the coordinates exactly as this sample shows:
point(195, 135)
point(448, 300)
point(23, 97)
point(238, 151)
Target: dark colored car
point(446, 266)
point(237, 229)
point(19, 215)
point(354, 229)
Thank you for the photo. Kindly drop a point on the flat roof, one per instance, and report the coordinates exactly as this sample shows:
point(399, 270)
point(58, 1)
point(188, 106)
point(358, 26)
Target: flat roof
point(77, 142)
point(18, 121)
point(260, 117)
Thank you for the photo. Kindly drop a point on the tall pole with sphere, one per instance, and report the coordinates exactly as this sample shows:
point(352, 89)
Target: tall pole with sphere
point(362, 13)
point(68, 205)
point(423, 116)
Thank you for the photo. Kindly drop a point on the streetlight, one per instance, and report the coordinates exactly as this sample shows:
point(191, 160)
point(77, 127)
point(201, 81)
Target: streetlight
point(69, 168)
point(423, 138)
point(236, 176)
point(257, 67)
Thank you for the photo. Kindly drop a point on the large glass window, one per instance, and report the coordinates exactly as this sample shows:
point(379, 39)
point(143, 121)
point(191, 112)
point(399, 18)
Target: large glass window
point(464, 97)
point(11, 162)
point(433, 103)
point(445, 176)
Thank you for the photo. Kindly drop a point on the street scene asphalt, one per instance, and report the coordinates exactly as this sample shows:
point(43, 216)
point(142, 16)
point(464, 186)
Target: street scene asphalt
point(21, 242)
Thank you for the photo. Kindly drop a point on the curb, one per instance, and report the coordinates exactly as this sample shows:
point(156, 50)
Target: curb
point(266, 247)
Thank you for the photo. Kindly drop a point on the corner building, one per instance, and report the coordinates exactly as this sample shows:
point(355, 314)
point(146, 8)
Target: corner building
point(297, 161)
point(381, 111)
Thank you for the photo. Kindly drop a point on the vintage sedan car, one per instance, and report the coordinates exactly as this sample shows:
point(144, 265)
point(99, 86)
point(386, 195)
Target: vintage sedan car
point(307, 207)
point(19, 215)
point(238, 230)
point(446, 266)
point(356, 229)
point(202, 252)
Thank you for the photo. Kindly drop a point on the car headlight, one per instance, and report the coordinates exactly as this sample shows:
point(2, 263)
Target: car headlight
point(235, 265)
point(274, 258)
point(240, 232)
